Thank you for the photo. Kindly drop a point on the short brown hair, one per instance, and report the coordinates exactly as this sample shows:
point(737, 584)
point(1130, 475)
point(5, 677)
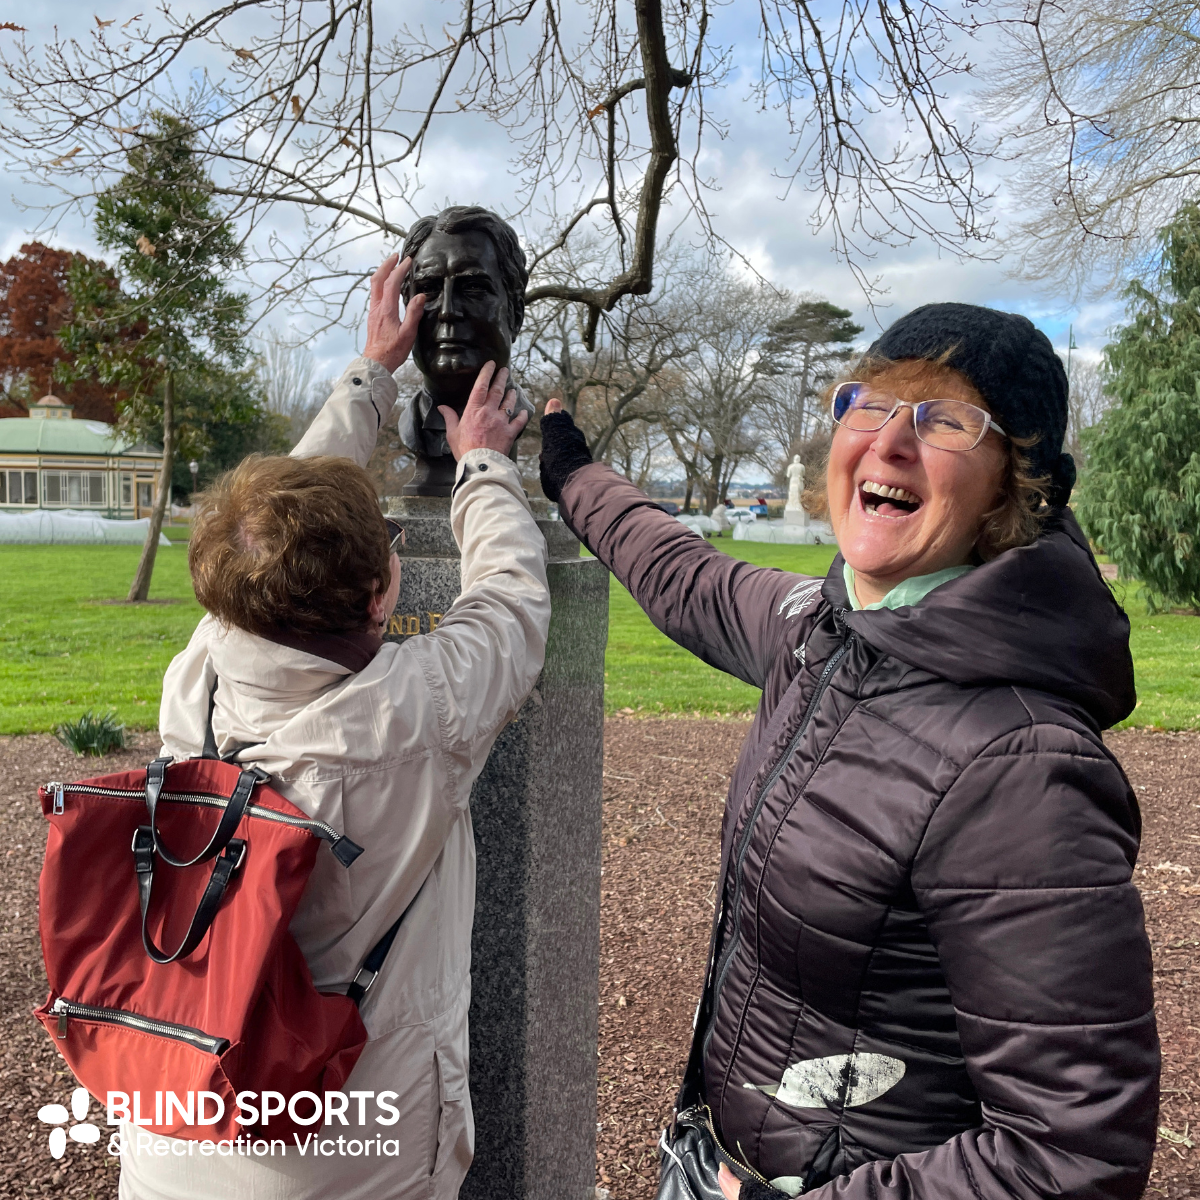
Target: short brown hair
point(290, 544)
point(1017, 519)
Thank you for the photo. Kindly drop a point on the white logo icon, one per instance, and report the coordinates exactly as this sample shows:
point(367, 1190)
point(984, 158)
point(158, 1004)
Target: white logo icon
point(57, 1115)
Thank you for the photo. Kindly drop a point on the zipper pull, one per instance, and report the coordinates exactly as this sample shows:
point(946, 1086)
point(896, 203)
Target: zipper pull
point(63, 1011)
point(56, 790)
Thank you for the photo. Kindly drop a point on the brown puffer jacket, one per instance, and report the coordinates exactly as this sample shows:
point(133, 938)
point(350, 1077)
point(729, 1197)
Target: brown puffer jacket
point(932, 977)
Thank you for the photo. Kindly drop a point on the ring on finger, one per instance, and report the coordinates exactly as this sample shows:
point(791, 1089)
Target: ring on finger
point(509, 413)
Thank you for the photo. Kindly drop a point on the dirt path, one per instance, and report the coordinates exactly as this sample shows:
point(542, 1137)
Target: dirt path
point(665, 782)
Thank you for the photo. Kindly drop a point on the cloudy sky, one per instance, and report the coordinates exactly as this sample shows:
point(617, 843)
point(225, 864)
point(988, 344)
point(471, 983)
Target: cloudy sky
point(468, 162)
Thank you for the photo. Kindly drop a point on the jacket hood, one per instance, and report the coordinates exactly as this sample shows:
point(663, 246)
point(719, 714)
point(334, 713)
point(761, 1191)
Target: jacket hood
point(1037, 616)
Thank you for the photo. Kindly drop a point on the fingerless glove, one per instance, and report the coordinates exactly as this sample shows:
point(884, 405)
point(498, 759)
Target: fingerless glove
point(564, 451)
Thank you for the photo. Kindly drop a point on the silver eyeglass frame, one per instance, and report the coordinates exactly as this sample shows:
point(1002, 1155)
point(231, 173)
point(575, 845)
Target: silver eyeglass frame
point(914, 405)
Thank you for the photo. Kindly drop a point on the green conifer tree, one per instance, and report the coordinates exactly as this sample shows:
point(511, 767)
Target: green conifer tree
point(1139, 498)
point(172, 313)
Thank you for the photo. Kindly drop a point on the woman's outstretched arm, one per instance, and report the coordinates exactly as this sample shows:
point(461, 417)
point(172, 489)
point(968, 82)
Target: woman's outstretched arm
point(730, 613)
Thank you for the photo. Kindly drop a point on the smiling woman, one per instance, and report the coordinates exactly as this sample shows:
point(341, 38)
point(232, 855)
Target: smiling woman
point(929, 972)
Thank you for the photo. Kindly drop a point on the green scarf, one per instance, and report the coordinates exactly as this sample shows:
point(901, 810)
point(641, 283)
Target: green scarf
point(907, 591)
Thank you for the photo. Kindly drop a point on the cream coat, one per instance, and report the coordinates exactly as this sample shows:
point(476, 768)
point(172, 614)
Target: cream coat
point(388, 756)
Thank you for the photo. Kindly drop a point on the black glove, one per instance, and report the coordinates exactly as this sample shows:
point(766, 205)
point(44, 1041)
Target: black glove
point(564, 451)
point(753, 1190)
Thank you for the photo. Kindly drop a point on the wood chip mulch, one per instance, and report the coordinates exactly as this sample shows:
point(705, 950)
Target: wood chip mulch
point(665, 783)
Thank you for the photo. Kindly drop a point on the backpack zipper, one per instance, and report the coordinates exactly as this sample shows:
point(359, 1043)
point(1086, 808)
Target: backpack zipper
point(723, 970)
point(65, 1009)
point(345, 850)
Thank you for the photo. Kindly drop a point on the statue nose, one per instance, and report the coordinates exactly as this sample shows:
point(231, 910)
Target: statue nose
point(449, 305)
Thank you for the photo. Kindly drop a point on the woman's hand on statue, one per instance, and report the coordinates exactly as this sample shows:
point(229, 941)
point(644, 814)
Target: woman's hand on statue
point(390, 337)
point(487, 421)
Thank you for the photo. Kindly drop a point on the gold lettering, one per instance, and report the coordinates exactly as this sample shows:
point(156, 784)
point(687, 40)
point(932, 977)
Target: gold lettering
point(412, 624)
point(435, 619)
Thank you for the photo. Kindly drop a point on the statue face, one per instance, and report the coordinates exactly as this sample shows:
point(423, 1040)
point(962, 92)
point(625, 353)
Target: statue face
point(465, 322)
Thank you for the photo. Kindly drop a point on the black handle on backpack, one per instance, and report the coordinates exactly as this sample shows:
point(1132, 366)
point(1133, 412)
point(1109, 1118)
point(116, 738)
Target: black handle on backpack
point(156, 777)
point(222, 872)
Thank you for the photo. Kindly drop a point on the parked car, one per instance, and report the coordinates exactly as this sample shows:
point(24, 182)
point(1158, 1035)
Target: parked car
point(669, 506)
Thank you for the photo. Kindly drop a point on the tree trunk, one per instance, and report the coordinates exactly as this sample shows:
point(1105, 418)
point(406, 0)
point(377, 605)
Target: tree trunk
point(139, 590)
point(712, 485)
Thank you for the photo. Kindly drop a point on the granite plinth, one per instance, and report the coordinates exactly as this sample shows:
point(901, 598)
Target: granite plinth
point(536, 809)
point(795, 516)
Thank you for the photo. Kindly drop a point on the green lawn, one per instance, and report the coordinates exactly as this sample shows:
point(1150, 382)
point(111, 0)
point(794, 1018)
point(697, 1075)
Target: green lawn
point(63, 650)
point(645, 671)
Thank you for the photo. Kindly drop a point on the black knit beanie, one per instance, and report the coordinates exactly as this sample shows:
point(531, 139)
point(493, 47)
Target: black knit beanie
point(1011, 364)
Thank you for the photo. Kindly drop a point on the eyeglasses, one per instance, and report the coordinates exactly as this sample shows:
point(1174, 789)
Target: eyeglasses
point(395, 535)
point(944, 424)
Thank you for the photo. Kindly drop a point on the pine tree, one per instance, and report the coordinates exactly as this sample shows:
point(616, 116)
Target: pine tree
point(1139, 498)
point(172, 313)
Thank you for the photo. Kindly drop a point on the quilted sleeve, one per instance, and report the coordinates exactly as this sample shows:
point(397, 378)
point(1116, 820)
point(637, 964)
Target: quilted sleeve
point(730, 613)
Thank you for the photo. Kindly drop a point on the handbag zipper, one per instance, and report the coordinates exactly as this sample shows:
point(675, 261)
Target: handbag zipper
point(702, 1113)
point(348, 852)
point(65, 1009)
point(744, 845)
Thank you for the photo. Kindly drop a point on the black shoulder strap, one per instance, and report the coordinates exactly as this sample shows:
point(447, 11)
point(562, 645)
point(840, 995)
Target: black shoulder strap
point(373, 963)
point(691, 1090)
point(374, 960)
point(209, 749)
point(210, 741)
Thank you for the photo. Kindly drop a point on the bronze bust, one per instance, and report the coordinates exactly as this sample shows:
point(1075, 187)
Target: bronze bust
point(471, 268)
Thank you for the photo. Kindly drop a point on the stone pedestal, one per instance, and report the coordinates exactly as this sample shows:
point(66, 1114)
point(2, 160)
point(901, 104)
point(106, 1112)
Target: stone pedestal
point(536, 811)
point(795, 516)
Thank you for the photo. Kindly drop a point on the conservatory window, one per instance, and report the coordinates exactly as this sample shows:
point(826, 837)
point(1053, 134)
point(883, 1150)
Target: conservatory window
point(18, 487)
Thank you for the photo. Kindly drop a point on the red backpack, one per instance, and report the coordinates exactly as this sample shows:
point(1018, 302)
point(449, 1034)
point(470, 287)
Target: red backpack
point(165, 900)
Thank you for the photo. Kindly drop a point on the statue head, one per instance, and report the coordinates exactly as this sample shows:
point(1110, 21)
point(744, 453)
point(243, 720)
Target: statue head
point(796, 460)
point(471, 268)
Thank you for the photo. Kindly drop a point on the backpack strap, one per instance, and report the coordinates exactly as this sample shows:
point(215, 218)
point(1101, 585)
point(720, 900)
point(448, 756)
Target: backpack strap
point(209, 749)
point(210, 741)
point(222, 872)
point(373, 963)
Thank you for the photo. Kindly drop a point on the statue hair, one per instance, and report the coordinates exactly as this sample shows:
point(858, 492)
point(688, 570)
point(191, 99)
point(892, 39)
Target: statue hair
point(463, 218)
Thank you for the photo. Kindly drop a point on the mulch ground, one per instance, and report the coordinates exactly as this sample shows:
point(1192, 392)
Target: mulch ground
point(665, 782)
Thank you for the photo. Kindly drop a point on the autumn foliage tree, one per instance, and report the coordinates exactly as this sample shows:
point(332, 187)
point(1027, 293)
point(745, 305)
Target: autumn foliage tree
point(34, 305)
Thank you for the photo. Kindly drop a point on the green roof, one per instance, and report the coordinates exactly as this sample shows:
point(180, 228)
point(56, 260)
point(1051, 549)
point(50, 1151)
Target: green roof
point(35, 435)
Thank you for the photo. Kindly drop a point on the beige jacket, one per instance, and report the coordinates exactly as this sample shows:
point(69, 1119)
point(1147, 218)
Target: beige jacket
point(387, 756)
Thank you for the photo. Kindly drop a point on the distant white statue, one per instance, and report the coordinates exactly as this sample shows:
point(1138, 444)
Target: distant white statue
point(720, 515)
point(795, 474)
point(793, 511)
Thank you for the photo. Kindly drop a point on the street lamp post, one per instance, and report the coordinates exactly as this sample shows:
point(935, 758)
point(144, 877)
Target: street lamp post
point(194, 467)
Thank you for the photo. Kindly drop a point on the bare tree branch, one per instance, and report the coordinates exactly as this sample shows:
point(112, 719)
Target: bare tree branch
point(313, 116)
